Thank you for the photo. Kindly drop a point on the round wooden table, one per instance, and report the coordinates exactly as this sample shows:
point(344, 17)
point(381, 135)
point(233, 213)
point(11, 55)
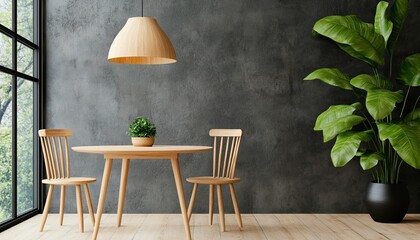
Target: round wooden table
point(128, 152)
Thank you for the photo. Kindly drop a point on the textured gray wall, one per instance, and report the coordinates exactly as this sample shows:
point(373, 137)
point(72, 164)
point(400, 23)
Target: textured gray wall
point(240, 65)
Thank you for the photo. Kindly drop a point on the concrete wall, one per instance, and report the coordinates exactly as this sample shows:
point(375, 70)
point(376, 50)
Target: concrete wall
point(240, 65)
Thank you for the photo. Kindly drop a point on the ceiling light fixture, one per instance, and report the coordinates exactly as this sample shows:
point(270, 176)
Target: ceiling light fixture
point(142, 41)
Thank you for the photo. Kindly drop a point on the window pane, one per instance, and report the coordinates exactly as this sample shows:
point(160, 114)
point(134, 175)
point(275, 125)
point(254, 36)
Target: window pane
point(5, 146)
point(6, 13)
point(5, 51)
point(25, 59)
point(25, 18)
point(25, 145)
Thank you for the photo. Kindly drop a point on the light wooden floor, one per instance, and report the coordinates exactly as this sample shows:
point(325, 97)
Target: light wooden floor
point(256, 226)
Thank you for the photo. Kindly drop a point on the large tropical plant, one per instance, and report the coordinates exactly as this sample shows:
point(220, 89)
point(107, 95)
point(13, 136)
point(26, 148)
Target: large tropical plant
point(375, 131)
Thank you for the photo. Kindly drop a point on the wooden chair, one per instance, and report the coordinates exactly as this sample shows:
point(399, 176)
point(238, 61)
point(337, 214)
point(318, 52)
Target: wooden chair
point(53, 142)
point(224, 165)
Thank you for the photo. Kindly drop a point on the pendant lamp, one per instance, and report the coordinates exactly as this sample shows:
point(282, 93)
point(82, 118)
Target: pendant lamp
point(142, 41)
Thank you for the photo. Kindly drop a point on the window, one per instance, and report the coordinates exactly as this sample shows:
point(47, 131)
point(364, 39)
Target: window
point(19, 87)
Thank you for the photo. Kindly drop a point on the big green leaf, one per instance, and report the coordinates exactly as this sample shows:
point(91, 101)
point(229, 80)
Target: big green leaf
point(354, 36)
point(333, 113)
point(369, 82)
point(404, 138)
point(350, 51)
point(382, 24)
point(399, 12)
point(380, 102)
point(346, 146)
point(413, 116)
point(370, 160)
point(331, 76)
point(410, 71)
point(341, 125)
point(337, 119)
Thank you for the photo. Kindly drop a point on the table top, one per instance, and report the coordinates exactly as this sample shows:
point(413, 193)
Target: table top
point(130, 149)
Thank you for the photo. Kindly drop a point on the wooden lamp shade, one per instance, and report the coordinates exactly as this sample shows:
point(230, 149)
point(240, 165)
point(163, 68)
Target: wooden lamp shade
point(142, 41)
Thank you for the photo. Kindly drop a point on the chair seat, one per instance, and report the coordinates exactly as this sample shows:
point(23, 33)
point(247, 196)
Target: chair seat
point(212, 180)
point(69, 181)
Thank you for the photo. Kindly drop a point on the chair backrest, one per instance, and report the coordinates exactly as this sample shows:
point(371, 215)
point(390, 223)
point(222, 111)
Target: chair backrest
point(225, 151)
point(55, 149)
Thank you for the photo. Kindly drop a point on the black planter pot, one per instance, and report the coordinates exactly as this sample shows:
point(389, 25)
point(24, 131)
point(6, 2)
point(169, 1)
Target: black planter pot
point(387, 203)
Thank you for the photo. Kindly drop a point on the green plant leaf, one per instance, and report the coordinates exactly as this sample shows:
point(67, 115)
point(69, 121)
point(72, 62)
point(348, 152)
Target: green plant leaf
point(413, 116)
point(369, 82)
point(341, 125)
point(333, 113)
point(354, 36)
point(337, 119)
point(331, 76)
point(382, 24)
point(370, 160)
point(380, 102)
point(404, 138)
point(410, 71)
point(398, 14)
point(350, 51)
point(347, 145)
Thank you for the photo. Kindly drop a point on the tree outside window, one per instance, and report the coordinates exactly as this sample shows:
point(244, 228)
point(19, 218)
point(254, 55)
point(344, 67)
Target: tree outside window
point(22, 118)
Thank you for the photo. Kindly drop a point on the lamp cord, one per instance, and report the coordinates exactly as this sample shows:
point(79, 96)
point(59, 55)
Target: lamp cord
point(142, 8)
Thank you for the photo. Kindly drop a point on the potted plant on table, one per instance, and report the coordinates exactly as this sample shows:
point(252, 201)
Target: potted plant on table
point(389, 138)
point(142, 132)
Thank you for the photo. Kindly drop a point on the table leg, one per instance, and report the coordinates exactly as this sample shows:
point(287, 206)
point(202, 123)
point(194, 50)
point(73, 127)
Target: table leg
point(123, 186)
point(102, 196)
point(180, 190)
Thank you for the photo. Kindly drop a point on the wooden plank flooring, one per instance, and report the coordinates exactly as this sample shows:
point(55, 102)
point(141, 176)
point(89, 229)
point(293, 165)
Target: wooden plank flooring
point(256, 226)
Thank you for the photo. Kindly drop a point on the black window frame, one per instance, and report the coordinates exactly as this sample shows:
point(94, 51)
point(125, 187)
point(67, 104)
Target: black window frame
point(38, 77)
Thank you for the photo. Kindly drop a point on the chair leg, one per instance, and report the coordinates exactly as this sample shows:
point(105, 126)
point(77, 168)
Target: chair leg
point(221, 210)
point(46, 207)
point(62, 203)
point(235, 205)
point(191, 205)
point(89, 204)
point(211, 203)
point(79, 206)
